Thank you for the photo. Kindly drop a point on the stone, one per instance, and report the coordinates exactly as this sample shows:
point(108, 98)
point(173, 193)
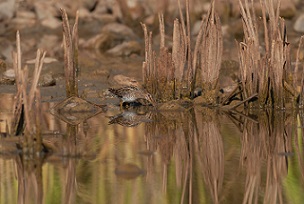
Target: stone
point(8, 77)
point(299, 24)
point(125, 49)
point(7, 9)
point(287, 9)
point(117, 28)
point(121, 80)
point(45, 9)
point(46, 80)
point(9, 74)
point(52, 23)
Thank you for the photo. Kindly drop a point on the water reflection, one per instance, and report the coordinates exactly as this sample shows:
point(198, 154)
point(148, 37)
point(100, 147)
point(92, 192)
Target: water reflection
point(195, 156)
point(130, 118)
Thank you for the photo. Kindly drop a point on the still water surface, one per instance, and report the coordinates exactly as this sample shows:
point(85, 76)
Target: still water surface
point(192, 156)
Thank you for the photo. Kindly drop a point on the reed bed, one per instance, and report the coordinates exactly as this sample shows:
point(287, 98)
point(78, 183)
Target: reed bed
point(174, 75)
point(265, 74)
point(27, 112)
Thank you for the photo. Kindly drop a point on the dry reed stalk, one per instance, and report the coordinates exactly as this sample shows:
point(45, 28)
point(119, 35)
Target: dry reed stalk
point(27, 106)
point(161, 30)
point(179, 58)
point(249, 51)
point(164, 74)
point(18, 121)
point(178, 51)
point(173, 76)
point(32, 107)
point(265, 74)
point(211, 51)
point(190, 74)
point(70, 45)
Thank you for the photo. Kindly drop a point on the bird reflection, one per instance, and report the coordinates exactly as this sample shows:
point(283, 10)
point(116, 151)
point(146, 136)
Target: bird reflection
point(130, 118)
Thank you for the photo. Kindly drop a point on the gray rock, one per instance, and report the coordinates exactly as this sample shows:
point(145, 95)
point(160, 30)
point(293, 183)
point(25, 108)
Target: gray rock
point(299, 24)
point(9, 74)
point(46, 80)
point(7, 9)
point(45, 9)
point(8, 77)
point(117, 28)
point(125, 49)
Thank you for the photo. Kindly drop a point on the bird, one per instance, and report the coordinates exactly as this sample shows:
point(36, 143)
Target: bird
point(131, 94)
point(130, 118)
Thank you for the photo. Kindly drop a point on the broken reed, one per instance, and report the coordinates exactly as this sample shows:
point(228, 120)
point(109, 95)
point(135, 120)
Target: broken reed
point(175, 75)
point(265, 75)
point(27, 112)
point(70, 46)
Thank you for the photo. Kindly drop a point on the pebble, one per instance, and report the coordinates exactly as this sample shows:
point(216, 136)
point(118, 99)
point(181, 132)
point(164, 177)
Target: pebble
point(46, 80)
point(7, 9)
point(299, 24)
point(9, 74)
point(125, 49)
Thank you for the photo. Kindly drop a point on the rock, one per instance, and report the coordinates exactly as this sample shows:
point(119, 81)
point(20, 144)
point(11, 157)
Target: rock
point(196, 27)
point(149, 20)
point(287, 9)
point(125, 49)
point(120, 29)
point(26, 14)
point(50, 43)
point(7, 9)
point(52, 22)
point(46, 80)
point(299, 24)
point(121, 80)
point(9, 74)
point(45, 9)
point(2, 64)
point(46, 12)
point(105, 18)
point(6, 49)
point(8, 77)
point(22, 23)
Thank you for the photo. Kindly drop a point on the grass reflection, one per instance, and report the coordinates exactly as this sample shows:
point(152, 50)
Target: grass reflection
point(191, 156)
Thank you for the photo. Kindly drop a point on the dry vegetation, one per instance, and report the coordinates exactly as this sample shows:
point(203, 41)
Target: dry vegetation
point(174, 75)
point(267, 79)
point(27, 113)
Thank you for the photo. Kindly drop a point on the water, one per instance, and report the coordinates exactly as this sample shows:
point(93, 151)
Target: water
point(194, 156)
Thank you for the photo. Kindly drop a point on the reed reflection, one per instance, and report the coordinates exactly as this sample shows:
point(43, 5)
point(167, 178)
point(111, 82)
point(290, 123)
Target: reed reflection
point(180, 156)
point(266, 143)
point(209, 151)
point(191, 141)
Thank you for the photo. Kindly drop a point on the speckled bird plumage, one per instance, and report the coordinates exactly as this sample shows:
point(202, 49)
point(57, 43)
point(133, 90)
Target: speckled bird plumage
point(129, 118)
point(132, 94)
